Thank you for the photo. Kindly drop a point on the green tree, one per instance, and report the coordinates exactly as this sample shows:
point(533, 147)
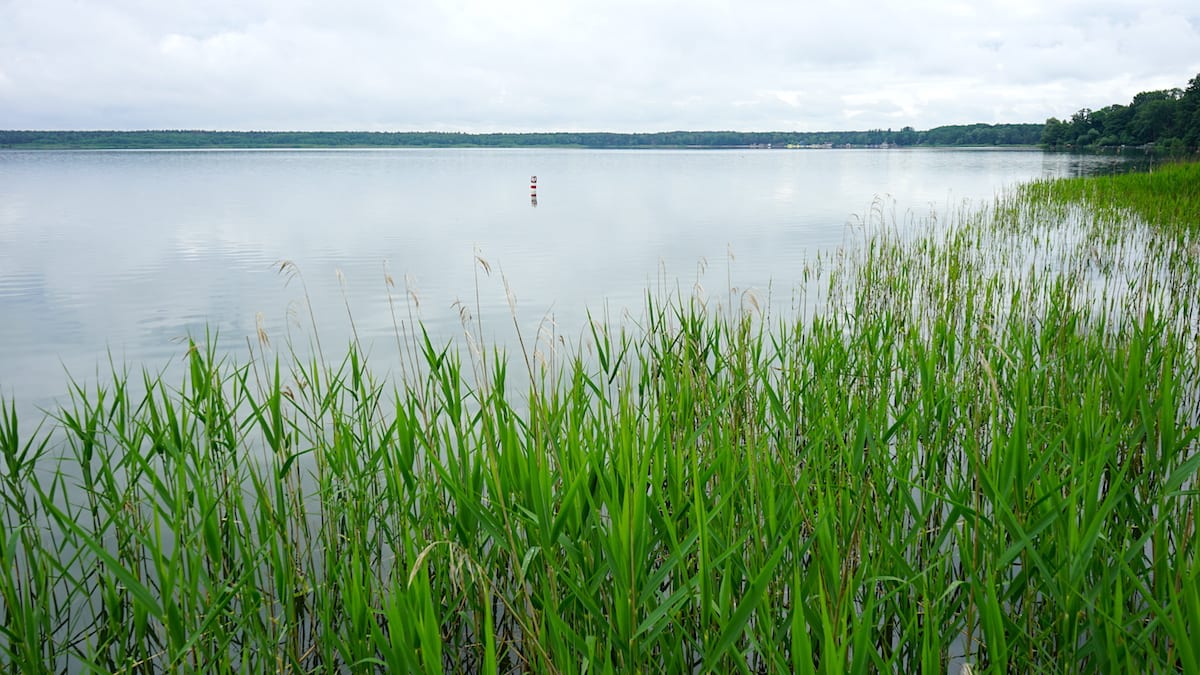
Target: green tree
point(1188, 118)
point(1055, 133)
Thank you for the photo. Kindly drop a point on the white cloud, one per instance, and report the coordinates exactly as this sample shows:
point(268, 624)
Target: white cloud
point(481, 65)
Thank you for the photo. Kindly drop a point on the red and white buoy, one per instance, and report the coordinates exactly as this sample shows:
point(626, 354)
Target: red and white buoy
point(533, 182)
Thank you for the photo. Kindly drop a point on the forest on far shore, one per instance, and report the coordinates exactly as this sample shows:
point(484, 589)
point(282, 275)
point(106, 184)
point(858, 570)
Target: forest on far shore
point(1166, 121)
point(955, 135)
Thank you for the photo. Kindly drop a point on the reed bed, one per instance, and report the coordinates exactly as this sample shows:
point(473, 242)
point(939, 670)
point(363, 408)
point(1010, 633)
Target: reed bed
point(979, 450)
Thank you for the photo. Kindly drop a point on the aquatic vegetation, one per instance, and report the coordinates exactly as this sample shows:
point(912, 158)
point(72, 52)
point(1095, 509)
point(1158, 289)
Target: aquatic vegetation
point(981, 447)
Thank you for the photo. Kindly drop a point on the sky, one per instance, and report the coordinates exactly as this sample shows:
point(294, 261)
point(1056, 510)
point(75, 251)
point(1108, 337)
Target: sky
point(581, 65)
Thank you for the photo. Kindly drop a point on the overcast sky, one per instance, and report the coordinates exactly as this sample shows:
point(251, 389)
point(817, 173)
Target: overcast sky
point(580, 65)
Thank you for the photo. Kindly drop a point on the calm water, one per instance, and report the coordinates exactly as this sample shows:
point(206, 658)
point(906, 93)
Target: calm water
point(127, 252)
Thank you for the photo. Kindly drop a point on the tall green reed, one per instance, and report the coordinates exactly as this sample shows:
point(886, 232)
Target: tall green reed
point(979, 447)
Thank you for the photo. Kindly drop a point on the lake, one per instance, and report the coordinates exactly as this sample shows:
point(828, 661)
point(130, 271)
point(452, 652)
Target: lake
point(128, 252)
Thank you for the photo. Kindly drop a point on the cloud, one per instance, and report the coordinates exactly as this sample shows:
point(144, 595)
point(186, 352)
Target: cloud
point(480, 65)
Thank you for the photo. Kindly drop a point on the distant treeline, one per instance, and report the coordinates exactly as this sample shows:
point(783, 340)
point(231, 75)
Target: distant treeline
point(1168, 119)
point(960, 135)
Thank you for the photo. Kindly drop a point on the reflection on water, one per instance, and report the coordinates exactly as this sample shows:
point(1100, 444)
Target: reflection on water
point(127, 252)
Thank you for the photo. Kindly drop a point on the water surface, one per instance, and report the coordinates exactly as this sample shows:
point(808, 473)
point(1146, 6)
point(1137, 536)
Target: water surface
point(128, 252)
